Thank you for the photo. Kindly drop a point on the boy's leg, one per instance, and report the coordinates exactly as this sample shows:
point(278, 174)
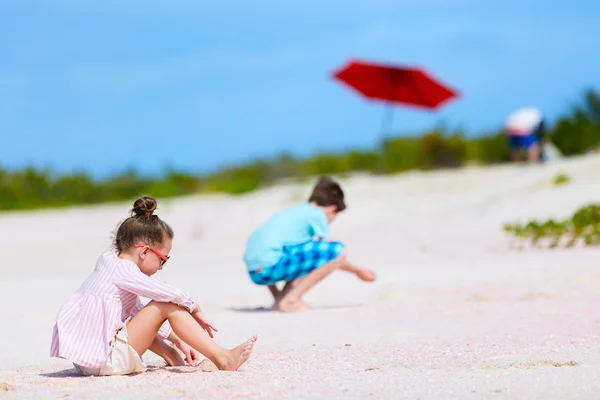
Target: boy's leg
point(278, 294)
point(292, 300)
point(274, 292)
point(297, 262)
point(284, 291)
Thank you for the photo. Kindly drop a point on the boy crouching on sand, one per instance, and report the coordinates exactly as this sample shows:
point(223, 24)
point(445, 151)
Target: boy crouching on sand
point(289, 247)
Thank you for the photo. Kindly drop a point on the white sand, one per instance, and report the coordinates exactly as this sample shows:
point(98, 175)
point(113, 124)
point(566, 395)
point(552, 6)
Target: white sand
point(455, 313)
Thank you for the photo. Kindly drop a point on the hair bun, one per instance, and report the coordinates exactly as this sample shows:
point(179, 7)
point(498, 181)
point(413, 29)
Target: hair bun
point(144, 206)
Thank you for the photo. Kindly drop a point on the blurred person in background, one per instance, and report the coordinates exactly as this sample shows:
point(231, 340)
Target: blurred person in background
point(525, 130)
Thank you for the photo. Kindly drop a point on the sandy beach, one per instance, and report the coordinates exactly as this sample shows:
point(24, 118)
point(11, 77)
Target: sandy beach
point(456, 313)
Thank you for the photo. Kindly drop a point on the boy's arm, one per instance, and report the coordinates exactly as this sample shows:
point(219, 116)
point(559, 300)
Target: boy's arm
point(318, 225)
point(349, 268)
point(363, 274)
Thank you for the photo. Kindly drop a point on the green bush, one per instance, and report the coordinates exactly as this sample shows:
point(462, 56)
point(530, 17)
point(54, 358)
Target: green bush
point(363, 161)
point(576, 132)
point(582, 227)
point(399, 155)
point(437, 150)
point(238, 180)
point(324, 163)
point(561, 179)
point(491, 148)
point(579, 131)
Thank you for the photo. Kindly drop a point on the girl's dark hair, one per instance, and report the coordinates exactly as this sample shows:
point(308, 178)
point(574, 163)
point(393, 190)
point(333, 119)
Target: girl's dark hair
point(143, 226)
point(328, 192)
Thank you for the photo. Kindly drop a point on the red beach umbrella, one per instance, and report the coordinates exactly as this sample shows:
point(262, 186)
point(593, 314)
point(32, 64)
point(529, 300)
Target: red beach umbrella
point(394, 84)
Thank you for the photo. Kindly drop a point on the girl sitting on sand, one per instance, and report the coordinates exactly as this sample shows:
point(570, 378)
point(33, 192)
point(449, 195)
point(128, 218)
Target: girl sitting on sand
point(104, 329)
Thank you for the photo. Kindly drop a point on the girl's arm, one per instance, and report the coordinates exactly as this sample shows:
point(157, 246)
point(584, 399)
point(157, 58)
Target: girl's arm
point(132, 280)
point(192, 357)
point(167, 352)
point(173, 338)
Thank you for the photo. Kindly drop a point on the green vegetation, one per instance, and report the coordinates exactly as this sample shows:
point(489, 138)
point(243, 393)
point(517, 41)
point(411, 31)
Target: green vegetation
point(577, 132)
point(581, 228)
point(561, 179)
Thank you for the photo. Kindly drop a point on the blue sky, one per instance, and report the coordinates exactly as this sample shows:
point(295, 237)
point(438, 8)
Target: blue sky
point(105, 85)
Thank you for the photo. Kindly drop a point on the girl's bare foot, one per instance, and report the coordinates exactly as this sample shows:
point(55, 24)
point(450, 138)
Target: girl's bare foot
point(366, 275)
point(238, 356)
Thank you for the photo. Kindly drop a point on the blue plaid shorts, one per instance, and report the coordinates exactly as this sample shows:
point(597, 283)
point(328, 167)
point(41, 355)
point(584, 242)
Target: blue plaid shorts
point(298, 261)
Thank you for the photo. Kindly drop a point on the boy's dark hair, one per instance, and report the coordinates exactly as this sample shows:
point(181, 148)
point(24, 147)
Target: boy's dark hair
point(328, 192)
point(142, 226)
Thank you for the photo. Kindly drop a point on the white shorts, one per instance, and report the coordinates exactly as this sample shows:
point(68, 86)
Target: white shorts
point(122, 360)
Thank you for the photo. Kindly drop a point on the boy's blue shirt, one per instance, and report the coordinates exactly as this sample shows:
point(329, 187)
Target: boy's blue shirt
point(294, 225)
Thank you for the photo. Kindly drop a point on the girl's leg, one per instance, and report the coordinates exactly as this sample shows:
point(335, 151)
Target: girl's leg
point(142, 330)
point(292, 299)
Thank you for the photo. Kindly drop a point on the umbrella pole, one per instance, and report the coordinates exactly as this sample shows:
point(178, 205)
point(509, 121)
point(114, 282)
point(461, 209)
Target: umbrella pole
point(386, 130)
point(387, 122)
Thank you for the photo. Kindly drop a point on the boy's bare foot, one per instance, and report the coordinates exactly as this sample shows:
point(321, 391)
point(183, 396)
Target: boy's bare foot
point(366, 275)
point(286, 305)
point(239, 355)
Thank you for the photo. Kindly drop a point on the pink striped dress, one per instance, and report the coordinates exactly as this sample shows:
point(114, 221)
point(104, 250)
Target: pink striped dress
point(87, 322)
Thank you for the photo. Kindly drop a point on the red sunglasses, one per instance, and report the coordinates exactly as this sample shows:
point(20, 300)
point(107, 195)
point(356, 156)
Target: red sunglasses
point(163, 258)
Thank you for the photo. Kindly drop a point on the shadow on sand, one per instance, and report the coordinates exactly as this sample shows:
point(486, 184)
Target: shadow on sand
point(73, 373)
point(268, 309)
point(250, 309)
point(65, 373)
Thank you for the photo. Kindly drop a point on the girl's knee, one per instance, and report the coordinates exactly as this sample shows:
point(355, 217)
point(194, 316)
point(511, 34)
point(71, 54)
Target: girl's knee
point(164, 307)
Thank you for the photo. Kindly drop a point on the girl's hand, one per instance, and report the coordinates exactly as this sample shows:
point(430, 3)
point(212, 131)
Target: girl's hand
point(207, 326)
point(192, 357)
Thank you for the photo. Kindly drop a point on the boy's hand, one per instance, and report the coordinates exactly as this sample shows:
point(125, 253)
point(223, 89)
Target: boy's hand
point(366, 274)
